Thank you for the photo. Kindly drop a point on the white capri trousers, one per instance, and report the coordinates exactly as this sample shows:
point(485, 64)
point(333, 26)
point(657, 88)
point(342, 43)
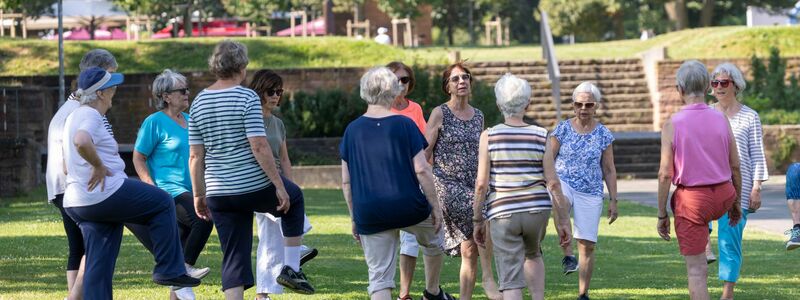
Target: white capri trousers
point(269, 256)
point(586, 212)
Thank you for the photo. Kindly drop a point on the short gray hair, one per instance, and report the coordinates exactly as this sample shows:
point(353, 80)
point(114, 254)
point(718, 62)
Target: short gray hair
point(587, 87)
point(229, 58)
point(692, 78)
point(735, 74)
point(513, 95)
point(379, 86)
point(165, 81)
point(88, 98)
point(98, 58)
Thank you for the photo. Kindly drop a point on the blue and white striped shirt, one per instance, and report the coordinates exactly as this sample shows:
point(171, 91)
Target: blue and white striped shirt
point(222, 121)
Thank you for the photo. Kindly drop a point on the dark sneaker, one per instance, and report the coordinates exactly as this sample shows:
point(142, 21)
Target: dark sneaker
point(407, 297)
point(570, 264)
point(794, 239)
point(307, 254)
point(442, 295)
point(583, 297)
point(295, 281)
point(180, 281)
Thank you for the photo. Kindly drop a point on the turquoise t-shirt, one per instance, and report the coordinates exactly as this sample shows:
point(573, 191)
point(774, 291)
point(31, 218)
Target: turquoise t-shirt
point(166, 145)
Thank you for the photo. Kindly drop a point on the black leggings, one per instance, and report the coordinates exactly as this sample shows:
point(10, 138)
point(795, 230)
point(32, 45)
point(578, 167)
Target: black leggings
point(75, 237)
point(193, 231)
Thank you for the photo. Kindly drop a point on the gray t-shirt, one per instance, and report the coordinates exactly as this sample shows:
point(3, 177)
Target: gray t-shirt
point(276, 135)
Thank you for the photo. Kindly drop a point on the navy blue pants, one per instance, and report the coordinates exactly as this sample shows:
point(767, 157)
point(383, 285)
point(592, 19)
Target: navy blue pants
point(101, 224)
point(233, 218)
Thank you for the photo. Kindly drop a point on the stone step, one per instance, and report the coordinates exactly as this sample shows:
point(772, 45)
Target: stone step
point(640, 149)
point(565, 70)
point(548, 105)
point(637, 168)
point(566, 99)
point(641, 158)
point(630, 127)
point(542, 63)
point(621, 115)
point(541, 91)
point(579, 77)
point(636, 175)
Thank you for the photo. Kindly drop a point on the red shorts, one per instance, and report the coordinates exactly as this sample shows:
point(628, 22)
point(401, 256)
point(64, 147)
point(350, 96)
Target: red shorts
point(696, 206)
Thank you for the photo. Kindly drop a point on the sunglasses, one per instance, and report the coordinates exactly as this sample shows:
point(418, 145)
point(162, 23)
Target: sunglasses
point(405, 79)
point(183, 91)
point(584, 105)
point(724, 83)
point(275, 92)
point(464, 77)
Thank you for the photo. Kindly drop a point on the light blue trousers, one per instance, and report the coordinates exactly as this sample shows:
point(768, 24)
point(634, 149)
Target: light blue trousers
point(730, 247)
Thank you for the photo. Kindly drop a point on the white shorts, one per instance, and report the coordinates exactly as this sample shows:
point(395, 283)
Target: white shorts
point(408, 244)
point(269, 255)
point(586, 212)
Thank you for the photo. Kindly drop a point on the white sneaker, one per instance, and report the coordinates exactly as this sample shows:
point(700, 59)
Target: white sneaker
point(185, 293)
point(198, 273)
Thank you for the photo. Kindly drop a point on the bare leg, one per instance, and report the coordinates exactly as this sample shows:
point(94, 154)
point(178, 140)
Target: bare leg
point(235, 293)
point(71, 275)
point(727, 290)
point(534, 278)
point(76, 289)
point(487, 275)
point(567, 250)
point(262, 296)
point(469, 266)
point(384, 294)
point(433, 269)
point(794, 207)
point(407, 266)
point(697, 269)
point(586, 265)
point(515, 294)
point(172, 295)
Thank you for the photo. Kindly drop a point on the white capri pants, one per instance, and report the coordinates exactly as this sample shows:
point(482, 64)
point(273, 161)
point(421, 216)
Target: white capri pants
point(269, 256)
point(586, 212)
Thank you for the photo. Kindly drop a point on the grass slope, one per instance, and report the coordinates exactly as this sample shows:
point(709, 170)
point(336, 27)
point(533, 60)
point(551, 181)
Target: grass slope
point(631, 263)
point(33, 57)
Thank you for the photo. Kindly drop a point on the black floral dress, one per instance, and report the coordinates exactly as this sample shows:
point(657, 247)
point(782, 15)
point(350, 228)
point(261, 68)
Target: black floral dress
point(455, 166)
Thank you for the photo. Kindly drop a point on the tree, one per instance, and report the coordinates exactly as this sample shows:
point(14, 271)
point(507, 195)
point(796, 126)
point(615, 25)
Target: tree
point(30, 8)
point(164, 10)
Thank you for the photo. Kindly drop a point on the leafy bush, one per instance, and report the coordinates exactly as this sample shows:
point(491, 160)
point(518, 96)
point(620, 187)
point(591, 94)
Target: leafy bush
point(780, 116)
point(768, 92)
point(326, 113)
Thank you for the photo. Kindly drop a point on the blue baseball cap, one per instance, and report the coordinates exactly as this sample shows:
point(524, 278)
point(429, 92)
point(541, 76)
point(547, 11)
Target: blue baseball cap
point(97, 79)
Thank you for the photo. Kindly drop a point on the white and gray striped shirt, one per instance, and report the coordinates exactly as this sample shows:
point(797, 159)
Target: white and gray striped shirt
point(746, 126)
point(222, 121)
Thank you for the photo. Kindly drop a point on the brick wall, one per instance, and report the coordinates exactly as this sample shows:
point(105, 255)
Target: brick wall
point(19, 165)
point(670, 101)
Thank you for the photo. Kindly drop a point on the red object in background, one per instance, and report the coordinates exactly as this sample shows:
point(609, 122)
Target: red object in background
point(314, 27)
point(213, 28)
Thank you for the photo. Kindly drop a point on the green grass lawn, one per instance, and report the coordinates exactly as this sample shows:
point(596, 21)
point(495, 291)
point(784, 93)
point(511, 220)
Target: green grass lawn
point(36, 57)
point(632, 262)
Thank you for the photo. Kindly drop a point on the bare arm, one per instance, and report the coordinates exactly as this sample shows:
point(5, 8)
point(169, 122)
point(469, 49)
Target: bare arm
point(432, 132)
point(348, 198)
point(665, 180)
point(140, 164)
point(286, 163)
point(481, 188)
point(85, 147)
point(425, 178)
point(263, 155)
point(197, 168)
point(735, 212)
point(610, 176)
point(560, 202)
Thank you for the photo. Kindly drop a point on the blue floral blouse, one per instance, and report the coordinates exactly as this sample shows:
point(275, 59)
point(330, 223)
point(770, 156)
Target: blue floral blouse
point(578, 160)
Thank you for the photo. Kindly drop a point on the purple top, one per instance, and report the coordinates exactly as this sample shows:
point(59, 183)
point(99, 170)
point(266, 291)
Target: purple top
point(701, 145)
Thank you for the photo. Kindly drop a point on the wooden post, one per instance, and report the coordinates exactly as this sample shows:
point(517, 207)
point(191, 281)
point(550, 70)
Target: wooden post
point(127, 28)
point(349, 28)
point(291, 24)
point(408, 41)
point(305, 23)
point(24, 27)
point(394, 32)
point(499, 27)
point(13, 28)
point(2, 27)
point(488, 34)
point(367, 28)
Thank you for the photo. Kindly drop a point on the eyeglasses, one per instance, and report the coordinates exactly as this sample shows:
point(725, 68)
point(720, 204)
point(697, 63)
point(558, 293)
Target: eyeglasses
point(183, 91)
point(278, 92)
point(584, 105)
point(405, 79)
point(724, 83)
point(464, 77)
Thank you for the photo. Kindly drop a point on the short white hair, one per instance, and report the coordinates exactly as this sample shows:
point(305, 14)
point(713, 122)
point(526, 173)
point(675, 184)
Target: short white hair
point(88, 98)
point(513, 95)
point(587, 87)
point(166, 81)
point(734, 73)
point(692, 78)
point(379, 86)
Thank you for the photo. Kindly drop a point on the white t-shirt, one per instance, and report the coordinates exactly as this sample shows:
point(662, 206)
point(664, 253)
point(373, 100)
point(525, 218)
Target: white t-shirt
point(79, 170)
point(54, 176)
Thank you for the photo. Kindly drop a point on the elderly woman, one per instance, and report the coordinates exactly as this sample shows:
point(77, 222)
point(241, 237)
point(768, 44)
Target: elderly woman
point(100, 198)
point(727, 85)
point(581, 150)
point(161, 158)
point(511, 180)
point(233, 174)
point(409, 248)
point(269, 257)
point(699, 155)
point(383, 168)
point(453, 133)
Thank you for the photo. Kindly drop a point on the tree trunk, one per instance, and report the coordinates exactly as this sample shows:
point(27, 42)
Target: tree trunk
point(677, 14)
point(451, 19)
point(619, 25)
point(707, 14)
point(471, 26)
point(187, 20)
point(92, 27)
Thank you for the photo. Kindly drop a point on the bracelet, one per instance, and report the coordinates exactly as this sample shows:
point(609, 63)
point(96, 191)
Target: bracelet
point(664, 217)
point(478, 220)
point(198, 196)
